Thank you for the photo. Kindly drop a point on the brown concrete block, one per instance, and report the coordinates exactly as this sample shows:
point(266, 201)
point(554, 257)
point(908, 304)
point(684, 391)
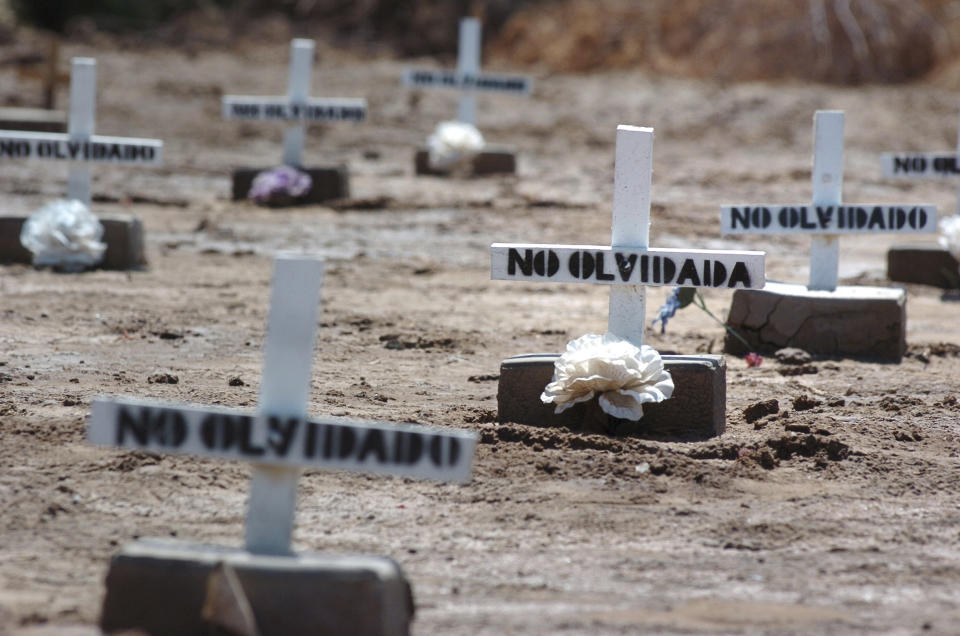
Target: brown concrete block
point(160, 587)
point(122, 234)
point(33, 119)
point(490, 161)
point(858, 322)
point(696, 411)
point(328, 183)
point(924, 264)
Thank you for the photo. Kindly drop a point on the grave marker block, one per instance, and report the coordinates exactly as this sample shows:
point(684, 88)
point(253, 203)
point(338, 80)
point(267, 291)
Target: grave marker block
point(469, 80)
point(161, 587)
point(80, 147)
point(122, 234)
point(925, 264)
point(298, 109)
point(822, 317)
point(698, 408)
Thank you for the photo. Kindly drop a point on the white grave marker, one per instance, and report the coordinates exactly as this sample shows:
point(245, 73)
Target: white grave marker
point(467, 78)
point(79, 145)
point(920, 165)
point(826, 218)
point(296, 106)
point(628, 264)
point(279, 439)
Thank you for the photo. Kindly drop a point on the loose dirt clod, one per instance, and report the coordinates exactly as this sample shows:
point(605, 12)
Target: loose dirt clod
point(761, 409)
point(163, 378)
point(805, 402)
point(792, 355)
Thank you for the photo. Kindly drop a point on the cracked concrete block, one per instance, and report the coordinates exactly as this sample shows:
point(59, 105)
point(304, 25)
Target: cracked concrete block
point(696, 411)
point(860, 322)
point(492, 160)
point(924, 264)
point(329, 183)
point(161, 587)
point(122, 234)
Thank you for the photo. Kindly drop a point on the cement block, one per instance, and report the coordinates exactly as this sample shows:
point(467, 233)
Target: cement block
point(331, 182)
point(490, 161)
point(857, 322)
point(33, 119)
point(122, 234)
point(161, 587)
point(696, 411)
point(924, 264)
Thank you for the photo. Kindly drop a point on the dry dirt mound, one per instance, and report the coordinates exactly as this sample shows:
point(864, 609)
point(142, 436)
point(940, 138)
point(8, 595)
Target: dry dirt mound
point(837, 41)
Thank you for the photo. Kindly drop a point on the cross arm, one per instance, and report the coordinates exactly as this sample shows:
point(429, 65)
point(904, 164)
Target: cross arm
point(607, 265)
point(330, 443)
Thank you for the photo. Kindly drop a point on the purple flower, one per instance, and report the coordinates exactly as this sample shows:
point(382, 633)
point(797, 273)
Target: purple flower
point(277, 184)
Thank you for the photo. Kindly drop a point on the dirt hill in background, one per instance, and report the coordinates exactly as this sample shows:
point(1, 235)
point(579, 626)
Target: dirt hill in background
point(833, 41)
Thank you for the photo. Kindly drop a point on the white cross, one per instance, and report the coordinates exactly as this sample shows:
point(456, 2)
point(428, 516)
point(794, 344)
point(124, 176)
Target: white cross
point(279, 439)
point(923, 164)
point(296, 106)
point(629, 263)
point(827, 217)
point(468, 78)
point(80, 144)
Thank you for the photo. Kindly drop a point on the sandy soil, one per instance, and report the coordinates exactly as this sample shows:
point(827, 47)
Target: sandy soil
point(840, 518)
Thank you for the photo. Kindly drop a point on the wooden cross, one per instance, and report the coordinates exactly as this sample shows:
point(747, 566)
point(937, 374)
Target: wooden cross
point(279, 439)
point(628, 264)
point(80, 145)
point(920, 165)
point(467, 78)
point(297, 106)
point(826, 218)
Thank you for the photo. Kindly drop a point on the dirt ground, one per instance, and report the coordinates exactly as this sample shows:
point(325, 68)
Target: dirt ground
point(836, 515)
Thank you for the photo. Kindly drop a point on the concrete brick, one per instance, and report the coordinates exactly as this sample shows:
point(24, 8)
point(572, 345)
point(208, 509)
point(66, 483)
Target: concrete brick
point(332, 182)
point(857, 322)
point(924, 264)
point(122, 234)
point(696, 411)
point(491, 161)
point(33, 119)
point(160, 587)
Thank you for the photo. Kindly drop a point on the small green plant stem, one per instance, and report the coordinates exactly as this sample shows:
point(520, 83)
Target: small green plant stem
point(699, 302)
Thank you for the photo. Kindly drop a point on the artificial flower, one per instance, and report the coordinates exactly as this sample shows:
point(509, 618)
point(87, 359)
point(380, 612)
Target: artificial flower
point(452, 143)
point(279, 185)
point(624, 376)
point(64, 234)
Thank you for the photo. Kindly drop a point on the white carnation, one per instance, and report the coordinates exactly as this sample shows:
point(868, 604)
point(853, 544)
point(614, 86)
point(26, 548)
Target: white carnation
point(64, 233)
point(453, 142)
point(950, 234)
point(625, 376)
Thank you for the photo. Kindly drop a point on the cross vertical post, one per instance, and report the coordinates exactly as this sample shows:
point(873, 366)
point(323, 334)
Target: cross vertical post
point(81, 122)
point(468, 62)
point(284, 392)
point(298, 91)
point(827, 190)
point(632, 175)
point(958, 155)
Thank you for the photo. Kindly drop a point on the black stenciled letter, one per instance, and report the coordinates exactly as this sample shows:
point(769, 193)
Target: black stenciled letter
point(739, 275)
point(625, 265)
point(525, 263)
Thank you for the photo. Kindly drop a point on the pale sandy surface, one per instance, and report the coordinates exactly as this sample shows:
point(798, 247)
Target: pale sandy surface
point(854, 531)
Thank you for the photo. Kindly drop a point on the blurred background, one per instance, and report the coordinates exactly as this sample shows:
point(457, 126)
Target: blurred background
point(833, 41)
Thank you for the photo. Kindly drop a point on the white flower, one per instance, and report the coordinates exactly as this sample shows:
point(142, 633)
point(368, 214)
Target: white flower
point(64, 233)
point(624, 375)
point(950, 234)
point(453, 142)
